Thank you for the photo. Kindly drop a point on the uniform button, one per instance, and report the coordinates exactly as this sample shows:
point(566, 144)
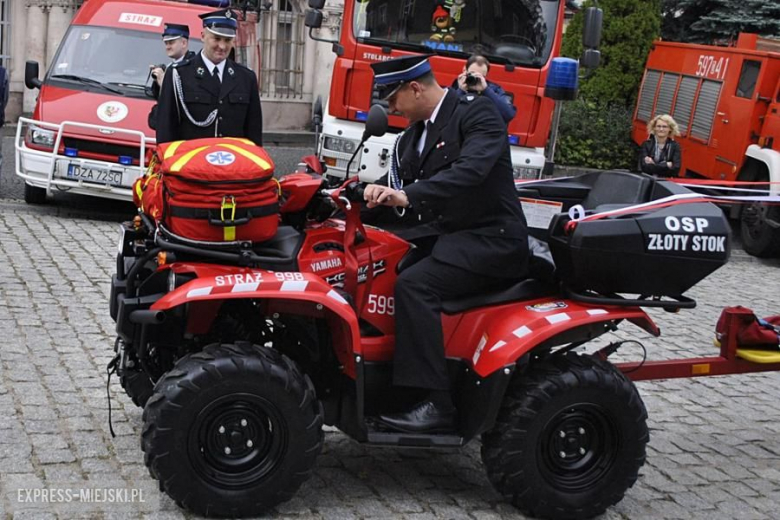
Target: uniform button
point(501, 231)
point(220, 101)
point(423, 203)
point(220, 135)
point(440, 217)
point(220, 118)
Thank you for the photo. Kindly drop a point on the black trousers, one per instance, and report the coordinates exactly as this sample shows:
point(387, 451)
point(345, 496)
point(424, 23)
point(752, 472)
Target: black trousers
point(419, 359)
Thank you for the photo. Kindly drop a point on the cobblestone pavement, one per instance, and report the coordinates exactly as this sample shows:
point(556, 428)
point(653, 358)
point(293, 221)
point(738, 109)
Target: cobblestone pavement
point(714, 449)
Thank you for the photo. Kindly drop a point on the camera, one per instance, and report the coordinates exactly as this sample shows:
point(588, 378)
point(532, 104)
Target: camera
point(471, 80)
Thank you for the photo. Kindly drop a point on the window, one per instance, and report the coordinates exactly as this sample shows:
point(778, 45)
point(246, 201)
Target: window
point(747, 78)
point(705, 109)
point(506, 31)
point(647, 95)
point(282, 40)
point(684, 104)
point(666, 94)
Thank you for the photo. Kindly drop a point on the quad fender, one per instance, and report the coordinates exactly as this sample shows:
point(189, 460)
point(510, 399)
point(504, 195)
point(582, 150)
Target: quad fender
point(517, 330)
point(771, 159)
point(290, 292)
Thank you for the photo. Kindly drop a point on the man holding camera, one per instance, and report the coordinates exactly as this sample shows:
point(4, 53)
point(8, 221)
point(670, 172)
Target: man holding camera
point(473, 80)
point(210, 95)
point(176, 38)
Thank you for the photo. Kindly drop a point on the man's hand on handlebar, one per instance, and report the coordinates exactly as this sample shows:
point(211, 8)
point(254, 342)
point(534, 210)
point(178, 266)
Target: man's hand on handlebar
point(377, 195)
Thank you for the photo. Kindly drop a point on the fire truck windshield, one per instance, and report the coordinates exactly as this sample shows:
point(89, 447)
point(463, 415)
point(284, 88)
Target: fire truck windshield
point(508, 31)
point(116, 60)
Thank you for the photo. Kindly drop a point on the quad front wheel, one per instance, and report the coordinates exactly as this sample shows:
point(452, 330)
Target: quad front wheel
point(233, 430)
point(569, 439)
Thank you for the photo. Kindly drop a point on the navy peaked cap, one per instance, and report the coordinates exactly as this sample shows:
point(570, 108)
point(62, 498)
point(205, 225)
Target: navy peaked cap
point(174, 31)
point(391, 75)
point(222, 23)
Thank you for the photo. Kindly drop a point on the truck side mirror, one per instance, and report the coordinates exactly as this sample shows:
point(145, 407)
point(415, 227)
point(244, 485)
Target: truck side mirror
point(316, 4)
point(591, 31)
point(590, 58)
point(313, 19)
point(31, 80)
point(376, 122)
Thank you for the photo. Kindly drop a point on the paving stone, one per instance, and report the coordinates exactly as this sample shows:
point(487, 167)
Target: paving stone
point(713, 451)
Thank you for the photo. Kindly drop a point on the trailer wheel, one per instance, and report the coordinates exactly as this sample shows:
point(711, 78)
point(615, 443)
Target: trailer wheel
point(760, 229)
point(34, 194)
point(232, 431)
point(569, 439)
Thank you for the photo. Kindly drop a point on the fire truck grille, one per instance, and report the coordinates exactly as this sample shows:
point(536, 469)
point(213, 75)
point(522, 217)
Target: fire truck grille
point(110, 149)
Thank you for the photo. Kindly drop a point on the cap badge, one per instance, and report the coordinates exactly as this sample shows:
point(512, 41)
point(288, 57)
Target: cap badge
point(201, 71)
point(230, 71)
point(228, 14)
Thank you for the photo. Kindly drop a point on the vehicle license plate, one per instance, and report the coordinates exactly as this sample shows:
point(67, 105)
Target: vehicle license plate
point(96, 175)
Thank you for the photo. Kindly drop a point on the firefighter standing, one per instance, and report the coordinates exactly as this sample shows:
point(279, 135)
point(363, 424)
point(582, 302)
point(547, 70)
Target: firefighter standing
point(454, 174)
point(210, 95)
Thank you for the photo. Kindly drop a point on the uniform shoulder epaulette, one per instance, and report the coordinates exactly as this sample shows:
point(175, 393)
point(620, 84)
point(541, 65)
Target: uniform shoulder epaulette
point(183, 63)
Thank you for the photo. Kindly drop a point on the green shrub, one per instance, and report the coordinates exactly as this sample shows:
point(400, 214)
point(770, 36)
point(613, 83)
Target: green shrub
point(630, 26)
point(595, 136)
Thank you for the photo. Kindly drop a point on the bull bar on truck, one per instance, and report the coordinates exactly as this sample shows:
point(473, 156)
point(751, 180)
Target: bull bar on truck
point(48, 168)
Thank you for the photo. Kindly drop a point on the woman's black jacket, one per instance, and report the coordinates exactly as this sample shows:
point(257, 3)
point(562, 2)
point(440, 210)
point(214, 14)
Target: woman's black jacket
point(669, 153)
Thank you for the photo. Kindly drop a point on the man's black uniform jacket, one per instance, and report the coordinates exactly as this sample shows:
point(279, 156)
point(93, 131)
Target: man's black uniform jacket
point(236, 97)
point(462, 188)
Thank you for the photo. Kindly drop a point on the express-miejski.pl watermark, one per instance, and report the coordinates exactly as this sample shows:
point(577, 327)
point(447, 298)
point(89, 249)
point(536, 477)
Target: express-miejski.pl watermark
point(67, 495)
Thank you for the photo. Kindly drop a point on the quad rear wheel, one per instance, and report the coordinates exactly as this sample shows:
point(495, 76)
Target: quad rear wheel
point(569, 439)
point(232, 430)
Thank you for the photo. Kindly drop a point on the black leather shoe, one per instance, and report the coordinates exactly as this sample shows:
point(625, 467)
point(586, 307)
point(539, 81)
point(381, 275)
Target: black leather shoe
point(425, 417)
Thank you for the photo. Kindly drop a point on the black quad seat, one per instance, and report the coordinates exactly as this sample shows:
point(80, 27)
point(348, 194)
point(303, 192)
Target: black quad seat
point(540, 283)
point(614, 190)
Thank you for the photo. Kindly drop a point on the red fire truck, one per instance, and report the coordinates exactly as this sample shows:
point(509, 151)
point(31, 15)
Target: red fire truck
point(726, 101)
point(89, 133)
point(519, 37)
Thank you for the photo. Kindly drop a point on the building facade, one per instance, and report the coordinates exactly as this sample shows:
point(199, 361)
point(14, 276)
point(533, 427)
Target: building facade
point(295, 70)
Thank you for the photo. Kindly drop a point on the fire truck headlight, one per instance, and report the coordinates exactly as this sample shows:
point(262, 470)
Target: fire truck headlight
point(42, 137)
point(338, 144)
point(527, 173)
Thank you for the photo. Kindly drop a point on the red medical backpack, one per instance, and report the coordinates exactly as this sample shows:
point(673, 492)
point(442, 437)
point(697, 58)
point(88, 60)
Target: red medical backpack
point(214, 190)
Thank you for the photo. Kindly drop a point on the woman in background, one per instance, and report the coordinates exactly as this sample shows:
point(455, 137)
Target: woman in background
point(660, 154)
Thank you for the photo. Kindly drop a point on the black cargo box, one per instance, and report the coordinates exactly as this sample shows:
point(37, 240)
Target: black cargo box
point(656, 252)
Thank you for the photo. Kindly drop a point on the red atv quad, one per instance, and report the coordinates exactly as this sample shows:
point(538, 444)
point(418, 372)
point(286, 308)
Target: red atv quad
point(240, 352)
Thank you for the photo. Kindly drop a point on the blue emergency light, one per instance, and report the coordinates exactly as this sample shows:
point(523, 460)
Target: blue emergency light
point(71, 152)
point(514, 140)
point(126, 160)
point(562, 79)
point(361, 116)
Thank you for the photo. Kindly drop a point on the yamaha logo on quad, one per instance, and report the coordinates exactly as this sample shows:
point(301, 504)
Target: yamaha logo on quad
point(220, 158)
point(337, 280)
